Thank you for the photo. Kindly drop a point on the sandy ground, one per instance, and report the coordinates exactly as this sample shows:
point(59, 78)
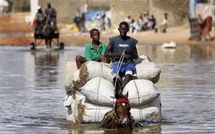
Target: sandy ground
point(15, 27)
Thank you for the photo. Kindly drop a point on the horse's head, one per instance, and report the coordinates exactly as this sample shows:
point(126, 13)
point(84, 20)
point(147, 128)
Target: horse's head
point(119, 116)
point(122, 110)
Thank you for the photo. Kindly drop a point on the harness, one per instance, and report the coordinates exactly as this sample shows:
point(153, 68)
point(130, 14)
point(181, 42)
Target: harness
point(111, 116)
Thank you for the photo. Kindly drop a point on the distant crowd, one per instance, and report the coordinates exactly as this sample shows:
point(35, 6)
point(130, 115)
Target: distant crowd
point(102, 22)
point(99, 21)
point(145, 23)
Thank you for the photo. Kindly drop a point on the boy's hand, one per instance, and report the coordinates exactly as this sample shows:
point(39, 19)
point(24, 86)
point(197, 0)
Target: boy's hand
point(128, 51)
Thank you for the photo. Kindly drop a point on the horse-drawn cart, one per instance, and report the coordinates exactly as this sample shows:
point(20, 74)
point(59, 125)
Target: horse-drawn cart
point(90, 92)
point(39, 37)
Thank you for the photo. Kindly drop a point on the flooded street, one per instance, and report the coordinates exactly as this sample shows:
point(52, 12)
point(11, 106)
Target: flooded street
point(32, 90)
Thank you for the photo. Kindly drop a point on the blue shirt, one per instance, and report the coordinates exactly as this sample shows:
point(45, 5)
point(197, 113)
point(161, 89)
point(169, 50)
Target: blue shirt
point(119, 45)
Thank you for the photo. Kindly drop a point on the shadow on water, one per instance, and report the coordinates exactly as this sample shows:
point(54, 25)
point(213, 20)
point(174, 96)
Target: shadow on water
point(32, 90)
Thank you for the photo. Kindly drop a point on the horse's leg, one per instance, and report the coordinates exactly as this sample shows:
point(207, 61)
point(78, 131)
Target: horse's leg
point(118, 87)
point(46, 42)
point(50, 42)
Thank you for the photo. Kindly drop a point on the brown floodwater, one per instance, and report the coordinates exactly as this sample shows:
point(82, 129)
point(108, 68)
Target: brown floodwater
point(32, 91)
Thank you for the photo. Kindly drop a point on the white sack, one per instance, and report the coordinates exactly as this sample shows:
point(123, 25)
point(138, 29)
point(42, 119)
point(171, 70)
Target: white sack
point(95, 113)
point(148, 71)
point(68, 76)
point(140, 92)
point(94, 69)
point(99, 91)
point(145, 70)
point(77, 82)
point(142, 58)
point(99, 69)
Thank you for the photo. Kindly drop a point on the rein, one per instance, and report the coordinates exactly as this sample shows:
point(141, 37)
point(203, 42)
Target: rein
point(119, 65)
point(111, 120)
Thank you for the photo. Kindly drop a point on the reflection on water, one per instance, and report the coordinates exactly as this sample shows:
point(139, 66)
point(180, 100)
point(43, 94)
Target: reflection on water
point(46, 65)
point(31, 90)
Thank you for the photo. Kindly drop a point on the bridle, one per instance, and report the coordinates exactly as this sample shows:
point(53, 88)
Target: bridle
point(111, 120)
point(122, 101)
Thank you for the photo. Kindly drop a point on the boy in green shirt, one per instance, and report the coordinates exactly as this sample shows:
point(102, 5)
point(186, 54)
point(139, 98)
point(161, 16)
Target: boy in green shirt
point(94, 51)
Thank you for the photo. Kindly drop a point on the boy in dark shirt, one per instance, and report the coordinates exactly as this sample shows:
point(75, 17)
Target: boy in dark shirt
point(122, 50)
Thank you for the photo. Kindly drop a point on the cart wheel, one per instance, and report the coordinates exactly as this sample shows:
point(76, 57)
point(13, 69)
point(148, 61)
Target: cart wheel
point(32, 46)
point(61, 46)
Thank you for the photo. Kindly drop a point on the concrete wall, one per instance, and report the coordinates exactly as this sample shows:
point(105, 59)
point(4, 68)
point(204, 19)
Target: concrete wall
point(177, 10)
point(20, 5)
point(66, 9)
point(120, 9)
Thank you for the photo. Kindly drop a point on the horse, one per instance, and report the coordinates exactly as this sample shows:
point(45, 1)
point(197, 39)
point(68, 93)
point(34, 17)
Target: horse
point(119, 117)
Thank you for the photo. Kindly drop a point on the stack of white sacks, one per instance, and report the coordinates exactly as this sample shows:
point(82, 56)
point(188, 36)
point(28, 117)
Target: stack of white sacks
point(96, 90)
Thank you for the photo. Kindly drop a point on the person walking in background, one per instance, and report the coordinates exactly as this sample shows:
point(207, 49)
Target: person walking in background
point(134, 27)
point(204, 27)
point(163, 26)
point(122, 50)
point(40, 20)
point(145, 21)
point(98, 21)
point(108, 23)
point(153, 20)
point(128, 19)
point(94, 51)
point(77, 20)
point(51, 15)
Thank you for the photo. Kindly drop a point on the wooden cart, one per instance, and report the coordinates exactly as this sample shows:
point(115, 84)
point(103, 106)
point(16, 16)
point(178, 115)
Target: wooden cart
point(39, 37)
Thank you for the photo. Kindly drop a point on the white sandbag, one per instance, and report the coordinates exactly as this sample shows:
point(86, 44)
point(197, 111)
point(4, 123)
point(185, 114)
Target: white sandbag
point(90, 70)
point(74, 112)
point(95, 113)
point(142, 58)
point(151, 114)
point(148, 71)
point(140, 92)
point(99, 69)
point(99, 91)
point(70, 68)
point(82, 111)
point(77, 82)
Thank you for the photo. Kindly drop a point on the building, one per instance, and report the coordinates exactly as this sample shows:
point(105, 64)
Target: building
point(177, 10)
point(4, 5)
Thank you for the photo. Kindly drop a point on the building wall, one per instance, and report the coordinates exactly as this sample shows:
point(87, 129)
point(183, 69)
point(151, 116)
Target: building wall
point(20, 5)
point(66, 9)
point(120, 9)
point(177, 10)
